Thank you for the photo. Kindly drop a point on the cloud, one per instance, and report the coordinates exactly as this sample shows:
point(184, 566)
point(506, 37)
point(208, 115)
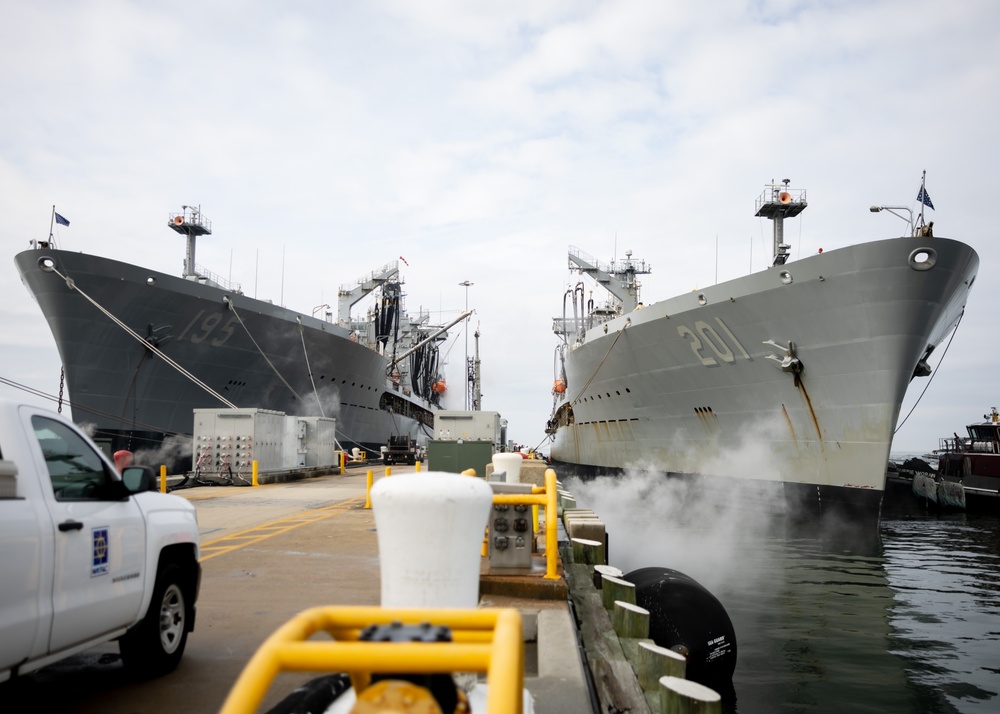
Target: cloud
point(480, 141)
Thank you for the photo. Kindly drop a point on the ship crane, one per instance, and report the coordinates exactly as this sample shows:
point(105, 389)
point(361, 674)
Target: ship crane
point(618, 277)
point(349, 295)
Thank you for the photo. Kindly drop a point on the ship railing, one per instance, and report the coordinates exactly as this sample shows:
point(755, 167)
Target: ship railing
point(951, 445)
point(615, 267)
point(368, 280)
point(773, 194)
point(566, 326)
point(217, 279)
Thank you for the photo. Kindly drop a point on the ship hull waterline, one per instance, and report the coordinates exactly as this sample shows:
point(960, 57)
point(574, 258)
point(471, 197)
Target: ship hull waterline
point(691, 385)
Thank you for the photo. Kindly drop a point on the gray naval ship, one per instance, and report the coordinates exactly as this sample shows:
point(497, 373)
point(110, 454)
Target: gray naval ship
point(784, 382)
point(142, 349)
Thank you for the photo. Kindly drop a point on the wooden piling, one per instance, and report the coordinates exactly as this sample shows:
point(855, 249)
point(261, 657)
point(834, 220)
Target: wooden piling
point(602, 570)
point(654, 662)
point(587, 552)
point(613, 588)
point(682, 696)
point(630, 620)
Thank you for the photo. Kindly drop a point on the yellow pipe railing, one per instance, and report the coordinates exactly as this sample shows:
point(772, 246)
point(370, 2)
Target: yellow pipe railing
point(485, 640)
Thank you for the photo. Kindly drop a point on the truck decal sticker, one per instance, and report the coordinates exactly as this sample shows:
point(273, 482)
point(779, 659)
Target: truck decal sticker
point(99, 560)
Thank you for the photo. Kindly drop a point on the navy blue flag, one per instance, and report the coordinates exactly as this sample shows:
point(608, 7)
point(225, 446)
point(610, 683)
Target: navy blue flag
point(922, 196)
point(63, 222)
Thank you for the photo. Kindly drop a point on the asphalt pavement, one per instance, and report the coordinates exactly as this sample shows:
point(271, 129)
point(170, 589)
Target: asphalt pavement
point(269, 552)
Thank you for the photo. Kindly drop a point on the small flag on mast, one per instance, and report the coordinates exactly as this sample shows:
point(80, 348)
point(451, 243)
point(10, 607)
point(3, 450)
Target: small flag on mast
point(924, 197)
point(63, 222)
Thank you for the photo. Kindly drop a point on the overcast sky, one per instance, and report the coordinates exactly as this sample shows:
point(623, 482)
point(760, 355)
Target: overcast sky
point(480, 140)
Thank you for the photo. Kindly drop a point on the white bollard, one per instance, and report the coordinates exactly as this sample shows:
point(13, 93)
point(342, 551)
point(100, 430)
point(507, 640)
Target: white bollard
point(430, 533)
point(509, 463)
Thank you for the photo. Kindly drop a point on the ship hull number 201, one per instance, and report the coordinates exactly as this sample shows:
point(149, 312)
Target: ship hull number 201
point(706, 340)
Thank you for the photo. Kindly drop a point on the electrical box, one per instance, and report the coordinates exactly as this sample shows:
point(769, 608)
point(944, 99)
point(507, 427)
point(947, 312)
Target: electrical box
point(321, 441)
point(457, 456)
point(228, 441)
point(454, 425)
point(510, 530)
point(293, 448)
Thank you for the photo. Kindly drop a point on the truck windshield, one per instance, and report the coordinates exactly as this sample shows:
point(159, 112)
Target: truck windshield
point(75, 469)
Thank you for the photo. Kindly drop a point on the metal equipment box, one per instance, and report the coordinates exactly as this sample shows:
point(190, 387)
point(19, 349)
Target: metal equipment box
point(320, 441)
point(450, 424)
point(228, 441)
point(511, 536)
point(457, 456)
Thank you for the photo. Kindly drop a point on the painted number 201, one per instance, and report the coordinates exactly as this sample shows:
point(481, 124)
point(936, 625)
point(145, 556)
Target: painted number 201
point(704, 334)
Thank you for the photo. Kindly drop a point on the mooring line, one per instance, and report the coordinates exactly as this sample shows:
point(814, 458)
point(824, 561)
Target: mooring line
point(71, 284)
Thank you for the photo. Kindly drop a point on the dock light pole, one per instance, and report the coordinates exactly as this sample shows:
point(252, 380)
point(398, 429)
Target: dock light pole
point(465, 365)
point(893, 209)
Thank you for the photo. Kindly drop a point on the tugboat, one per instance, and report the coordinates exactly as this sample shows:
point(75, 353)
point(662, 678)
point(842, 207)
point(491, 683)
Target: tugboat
point(974, 462)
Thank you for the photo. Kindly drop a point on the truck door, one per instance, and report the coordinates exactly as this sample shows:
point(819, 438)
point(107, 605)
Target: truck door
point(100, 538)
point(26, 581)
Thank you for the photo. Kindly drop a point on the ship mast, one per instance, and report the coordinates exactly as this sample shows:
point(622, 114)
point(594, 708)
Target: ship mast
point(192, 223)
point(777, 203)
point(477, 384)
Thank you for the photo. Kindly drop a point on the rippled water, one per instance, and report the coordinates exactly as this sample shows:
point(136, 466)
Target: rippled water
point(908, 620)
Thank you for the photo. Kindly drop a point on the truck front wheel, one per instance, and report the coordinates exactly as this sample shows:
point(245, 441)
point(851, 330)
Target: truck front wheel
point(155, 645)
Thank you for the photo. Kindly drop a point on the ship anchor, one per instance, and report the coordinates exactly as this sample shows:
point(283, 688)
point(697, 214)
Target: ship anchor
point(790, 363)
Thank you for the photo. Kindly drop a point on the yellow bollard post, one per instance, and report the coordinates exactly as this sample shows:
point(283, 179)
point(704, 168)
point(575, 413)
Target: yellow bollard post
point(343, 461)
point(551, 525)
point(253, 471)
point(388, 471)
point(368, 490)
point(417, 467)
point(163, 478)
point(469, 472)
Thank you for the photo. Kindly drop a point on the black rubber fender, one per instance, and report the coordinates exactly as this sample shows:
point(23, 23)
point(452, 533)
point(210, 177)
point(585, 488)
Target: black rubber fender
point(685, 616)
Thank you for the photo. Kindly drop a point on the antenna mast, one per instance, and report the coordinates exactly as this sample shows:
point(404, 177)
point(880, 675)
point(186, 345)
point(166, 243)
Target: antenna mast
point(778, 203)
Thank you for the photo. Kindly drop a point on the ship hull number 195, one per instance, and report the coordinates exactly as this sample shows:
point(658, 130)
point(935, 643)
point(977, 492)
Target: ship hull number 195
point(705, 340)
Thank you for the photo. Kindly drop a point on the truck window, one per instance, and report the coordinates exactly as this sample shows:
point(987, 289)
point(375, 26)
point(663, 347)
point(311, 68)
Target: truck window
point(76, 471)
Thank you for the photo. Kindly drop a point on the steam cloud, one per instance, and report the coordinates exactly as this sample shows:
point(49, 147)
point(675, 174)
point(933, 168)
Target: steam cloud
point(169, 452)
point(698, 525)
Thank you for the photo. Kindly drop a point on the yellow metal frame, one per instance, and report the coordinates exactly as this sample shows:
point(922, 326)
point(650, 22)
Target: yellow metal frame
point(485, 640)
point(541, 496)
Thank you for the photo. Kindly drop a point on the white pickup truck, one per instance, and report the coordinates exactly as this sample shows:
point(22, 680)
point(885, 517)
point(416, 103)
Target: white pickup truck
point(87, 555)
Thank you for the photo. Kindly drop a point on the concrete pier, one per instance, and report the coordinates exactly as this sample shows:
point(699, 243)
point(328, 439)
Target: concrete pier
point(272, 551)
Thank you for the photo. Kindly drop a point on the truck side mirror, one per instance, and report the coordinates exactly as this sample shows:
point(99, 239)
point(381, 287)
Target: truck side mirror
point(138, 479)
